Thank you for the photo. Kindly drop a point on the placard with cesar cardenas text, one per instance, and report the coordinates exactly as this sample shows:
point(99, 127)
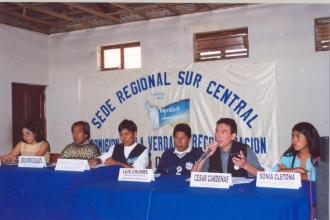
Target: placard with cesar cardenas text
point(278, 180)
point(32, 161)
point(211, 180)
point(72, 165)
point(136, 175)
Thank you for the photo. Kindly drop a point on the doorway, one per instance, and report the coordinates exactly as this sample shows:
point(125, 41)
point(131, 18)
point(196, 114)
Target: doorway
point(28, 104)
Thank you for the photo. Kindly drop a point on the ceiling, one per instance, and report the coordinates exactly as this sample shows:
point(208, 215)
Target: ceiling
point(52, 18)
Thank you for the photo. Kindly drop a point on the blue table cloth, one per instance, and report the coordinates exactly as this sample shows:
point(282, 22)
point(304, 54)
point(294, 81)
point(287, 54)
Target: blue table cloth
point(32, 193)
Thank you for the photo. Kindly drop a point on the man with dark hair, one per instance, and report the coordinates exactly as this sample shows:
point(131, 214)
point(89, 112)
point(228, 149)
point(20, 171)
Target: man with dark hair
point(80, 148)
point(179, 160)
point(227, 155)
point(128, 154)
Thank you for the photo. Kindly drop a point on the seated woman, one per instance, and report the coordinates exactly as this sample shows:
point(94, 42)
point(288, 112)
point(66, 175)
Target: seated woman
point(80, 148)
point(304, 149)
point(32, 145)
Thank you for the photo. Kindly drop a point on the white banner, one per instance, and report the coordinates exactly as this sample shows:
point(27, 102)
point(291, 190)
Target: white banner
point(199, 95)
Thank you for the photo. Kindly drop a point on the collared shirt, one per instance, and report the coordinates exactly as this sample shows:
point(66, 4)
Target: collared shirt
point(181, 154)
point(140, 163)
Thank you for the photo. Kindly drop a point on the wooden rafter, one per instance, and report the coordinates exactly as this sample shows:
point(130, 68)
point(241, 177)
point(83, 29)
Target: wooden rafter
point(54, 14)
point(169, 8)
point(94, 12)
point(19, 25)
point(58, 17)
point(29, 18)
point(130, 9)
point(14, 8)
point(208, 6)
point(45, 11)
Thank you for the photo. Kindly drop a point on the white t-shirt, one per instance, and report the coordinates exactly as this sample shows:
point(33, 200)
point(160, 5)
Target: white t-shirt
point(140, 163)
point(181, 154)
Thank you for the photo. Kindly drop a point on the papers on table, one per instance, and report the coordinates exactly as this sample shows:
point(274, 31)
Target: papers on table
point(98, 166)
point(241, 180)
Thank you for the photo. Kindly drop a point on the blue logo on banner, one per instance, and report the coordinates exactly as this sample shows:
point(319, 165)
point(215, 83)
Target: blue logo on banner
point(177, 112)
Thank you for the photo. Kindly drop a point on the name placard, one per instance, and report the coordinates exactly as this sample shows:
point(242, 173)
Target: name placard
point(32, 161)
point(72, 165)
point(211, 180)
point(278, 180)
point(136, 175)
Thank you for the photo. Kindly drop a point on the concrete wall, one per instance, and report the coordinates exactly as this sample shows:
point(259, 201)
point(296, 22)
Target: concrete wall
point(23, 59)
point(284, 33)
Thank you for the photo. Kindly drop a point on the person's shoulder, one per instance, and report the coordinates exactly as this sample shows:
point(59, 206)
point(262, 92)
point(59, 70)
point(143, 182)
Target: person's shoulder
point(92, 144)
point(141, 145)
point(20, 143)
point(240, 144)
point(69, 146)
point(287, 157)
point(43, 142)
point(143, 149)
point(170, 150)
point(168, 153)
point(117, 146)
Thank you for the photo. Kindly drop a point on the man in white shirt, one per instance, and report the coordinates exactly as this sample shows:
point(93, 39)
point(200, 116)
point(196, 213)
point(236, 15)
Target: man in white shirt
point(129, 153)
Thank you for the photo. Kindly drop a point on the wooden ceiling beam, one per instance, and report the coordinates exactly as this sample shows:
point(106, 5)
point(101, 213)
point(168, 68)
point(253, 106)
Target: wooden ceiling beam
point(28, 18)
point(54, 14)
point(8, 21)
point(208, 6)
point(169, 8)
point(130, 9)
point(94, 12)
point(45, 11)
point(13, 8)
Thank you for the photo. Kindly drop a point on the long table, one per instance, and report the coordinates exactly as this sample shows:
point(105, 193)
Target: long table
point(32, 193)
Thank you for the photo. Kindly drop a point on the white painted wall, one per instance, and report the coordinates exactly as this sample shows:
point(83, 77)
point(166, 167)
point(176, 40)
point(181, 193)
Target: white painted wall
point(23, 59)
point(276, 32)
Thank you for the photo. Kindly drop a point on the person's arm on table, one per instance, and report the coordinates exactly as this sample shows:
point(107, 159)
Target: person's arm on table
point(94, 161)
point(13, 154)
point(110, 162)
point(302, 171)
point(101, 159)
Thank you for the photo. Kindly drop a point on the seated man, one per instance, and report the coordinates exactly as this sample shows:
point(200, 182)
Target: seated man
point(80, 148)
point(179, 160)
point(227, 155)
point(128, 154)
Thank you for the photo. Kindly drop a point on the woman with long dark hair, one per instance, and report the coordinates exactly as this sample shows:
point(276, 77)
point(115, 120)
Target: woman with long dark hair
point(31, 145)
point(304, 149)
